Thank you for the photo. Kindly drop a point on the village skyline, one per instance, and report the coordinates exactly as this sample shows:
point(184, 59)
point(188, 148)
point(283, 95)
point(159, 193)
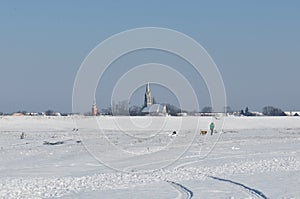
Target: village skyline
point(151, 107)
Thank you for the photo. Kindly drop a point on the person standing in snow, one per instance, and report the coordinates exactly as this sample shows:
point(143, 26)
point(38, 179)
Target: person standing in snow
point(211, 126)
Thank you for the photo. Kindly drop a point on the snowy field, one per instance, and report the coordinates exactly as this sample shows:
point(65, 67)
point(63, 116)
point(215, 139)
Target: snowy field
point(138, 157)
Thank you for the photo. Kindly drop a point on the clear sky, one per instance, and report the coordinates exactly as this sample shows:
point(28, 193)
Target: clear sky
point(255, 45)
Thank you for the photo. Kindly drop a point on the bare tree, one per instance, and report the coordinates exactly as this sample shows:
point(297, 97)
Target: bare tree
point(135, 110)
point(272, 111)
point(120, 108)
point(49, 112)
point(207, 109)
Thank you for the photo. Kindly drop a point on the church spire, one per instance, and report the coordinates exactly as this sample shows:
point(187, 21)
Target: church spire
point(148, 88)
point(148, 98)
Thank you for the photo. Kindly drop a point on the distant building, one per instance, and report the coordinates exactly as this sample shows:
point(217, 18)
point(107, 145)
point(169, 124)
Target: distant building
point(182, 114)
point(95, 111)
point(57, 114)
point(155, 110)
point(292, 113)
point(150, 108)
point(18, 114)
point(32, 114)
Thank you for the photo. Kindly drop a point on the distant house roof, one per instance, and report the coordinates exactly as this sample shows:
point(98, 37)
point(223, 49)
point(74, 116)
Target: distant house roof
point(18, 114)
point(155, 109)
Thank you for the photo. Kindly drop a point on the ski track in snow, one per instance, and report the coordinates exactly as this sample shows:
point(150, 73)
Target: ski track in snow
point(249, 189)
point(182, 189)
point(37, 187)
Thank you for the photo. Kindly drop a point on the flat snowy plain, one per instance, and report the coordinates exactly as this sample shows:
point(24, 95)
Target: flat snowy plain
point(138, 157)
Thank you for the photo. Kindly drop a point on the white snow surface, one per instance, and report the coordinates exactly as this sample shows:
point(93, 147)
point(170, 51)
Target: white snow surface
point(138, 157)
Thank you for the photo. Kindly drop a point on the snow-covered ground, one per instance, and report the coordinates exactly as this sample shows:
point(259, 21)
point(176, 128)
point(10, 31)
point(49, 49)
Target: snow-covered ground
point(138, 157)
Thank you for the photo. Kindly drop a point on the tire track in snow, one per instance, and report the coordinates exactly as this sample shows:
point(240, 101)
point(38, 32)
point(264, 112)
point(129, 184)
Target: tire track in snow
point(249, 189)
point(182, 189)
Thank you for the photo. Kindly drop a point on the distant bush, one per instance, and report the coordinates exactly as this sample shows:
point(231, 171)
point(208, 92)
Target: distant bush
point(135, 110)
point(120, 108)
point(49, 113)
point(272, 111)
point(106, 111)
point(247, 112)
point(88, 113)
point(23, 112)
point(227, 109)
point(172, 110)
point(207, 109)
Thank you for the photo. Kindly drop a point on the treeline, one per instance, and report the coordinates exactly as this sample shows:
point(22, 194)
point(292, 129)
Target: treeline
point(122, 109)
point(46, 113)
point(266, 111)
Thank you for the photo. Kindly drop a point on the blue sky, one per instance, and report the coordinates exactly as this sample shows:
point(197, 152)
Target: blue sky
point(255, 45)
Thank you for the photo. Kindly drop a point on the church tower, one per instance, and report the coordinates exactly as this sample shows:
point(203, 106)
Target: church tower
point(148, 99)
point(95, 111)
